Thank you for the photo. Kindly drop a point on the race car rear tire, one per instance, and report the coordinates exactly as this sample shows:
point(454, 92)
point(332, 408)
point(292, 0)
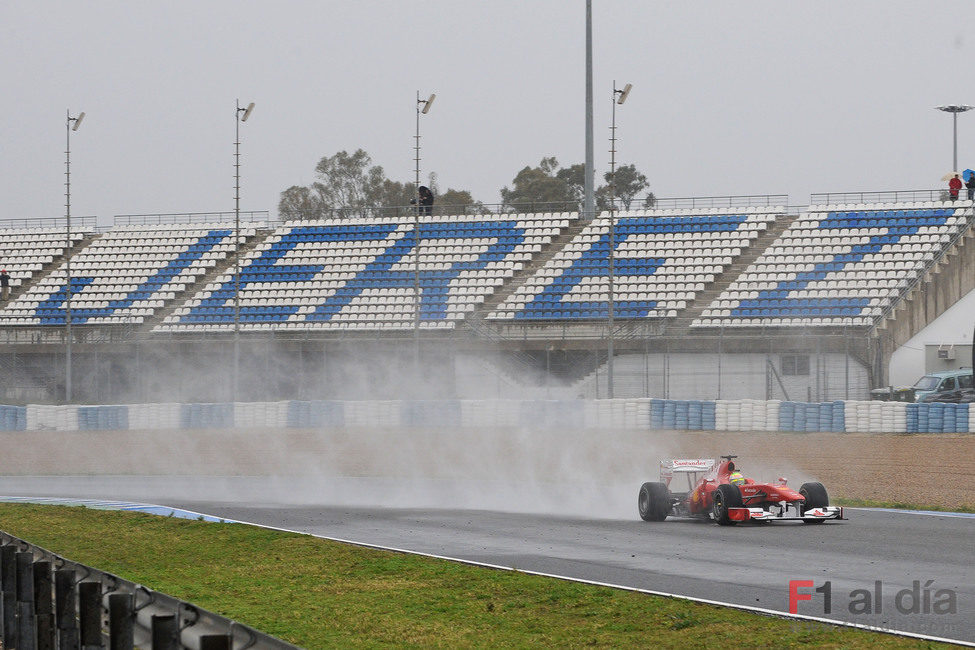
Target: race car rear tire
point(816, 497)
point(654, 502)
point(725, 496)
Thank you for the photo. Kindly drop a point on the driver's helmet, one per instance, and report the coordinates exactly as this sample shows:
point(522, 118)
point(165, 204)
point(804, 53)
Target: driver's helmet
point(736, 478)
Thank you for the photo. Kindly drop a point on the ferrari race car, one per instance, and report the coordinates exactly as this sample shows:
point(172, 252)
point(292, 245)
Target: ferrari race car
point(716, 490)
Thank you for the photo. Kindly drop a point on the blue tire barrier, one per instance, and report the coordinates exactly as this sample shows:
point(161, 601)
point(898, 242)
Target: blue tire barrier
point(812, 418)
point(961, 418)
point(825, 416)
point(299, 414)
point(206, 416)
point(708, 416)
point(657, 414)
point(912, 418)
point(694, 415)
point(681, 414)
point(923, 425)
point(936, 417)
point(318, 413)
point(13, 418)
point(103, 418)
point(670, 414)
point(948, 418)
point(838, 422)
point(787, 416)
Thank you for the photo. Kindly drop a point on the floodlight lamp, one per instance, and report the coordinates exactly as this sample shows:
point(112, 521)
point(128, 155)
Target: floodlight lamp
point(428, 103)
point(247, 111)
point(955, 108)
point(624, 93)
point(77, 121)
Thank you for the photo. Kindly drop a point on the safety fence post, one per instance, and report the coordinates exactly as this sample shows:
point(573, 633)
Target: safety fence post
point(90, 613)
point(165, 632)
point(8, 582)
point(121, 621)
point(65, 606)
point(44, 605)
point(216, 642)
point(25, 601)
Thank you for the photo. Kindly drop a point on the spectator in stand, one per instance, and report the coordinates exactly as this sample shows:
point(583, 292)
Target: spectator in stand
point(4, 284)
point(426, 200)
point(954, 186)
point(970, 184)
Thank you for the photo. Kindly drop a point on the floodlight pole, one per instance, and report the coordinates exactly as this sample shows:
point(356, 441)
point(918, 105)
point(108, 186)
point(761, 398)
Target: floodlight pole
point(238, 118)
point(955, 109)
point(619, 96)
point(589, 203)
point(422, 106)
point(71, 124)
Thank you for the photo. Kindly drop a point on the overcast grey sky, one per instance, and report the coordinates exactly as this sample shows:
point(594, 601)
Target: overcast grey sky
point(728, 98)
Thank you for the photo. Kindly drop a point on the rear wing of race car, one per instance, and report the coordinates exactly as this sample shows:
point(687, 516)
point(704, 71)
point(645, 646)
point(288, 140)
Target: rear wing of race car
point(683, 466)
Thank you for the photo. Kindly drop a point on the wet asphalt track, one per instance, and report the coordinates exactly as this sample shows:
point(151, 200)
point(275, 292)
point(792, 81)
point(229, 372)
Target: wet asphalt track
point(748, 565)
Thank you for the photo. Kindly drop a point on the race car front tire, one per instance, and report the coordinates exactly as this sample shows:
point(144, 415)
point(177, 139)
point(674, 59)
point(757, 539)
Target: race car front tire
point(654, 502)
point(725, 496)
point(816, 497)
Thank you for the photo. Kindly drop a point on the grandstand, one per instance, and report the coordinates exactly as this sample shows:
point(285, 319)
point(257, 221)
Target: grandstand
point(714, 298)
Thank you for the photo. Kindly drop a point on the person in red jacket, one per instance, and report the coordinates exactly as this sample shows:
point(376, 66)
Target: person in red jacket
point(954, 186)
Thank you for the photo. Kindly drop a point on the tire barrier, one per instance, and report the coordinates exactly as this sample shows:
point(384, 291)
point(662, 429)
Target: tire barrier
point(13, 418)
point(108, 418)
point(691, 415)
point(206, 416)
point(51, 602)
point(305, 415)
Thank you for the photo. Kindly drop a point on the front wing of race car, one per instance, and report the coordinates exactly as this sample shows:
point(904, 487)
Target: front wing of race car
point(759, 514)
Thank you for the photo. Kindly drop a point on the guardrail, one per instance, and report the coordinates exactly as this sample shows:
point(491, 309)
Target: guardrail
point(78, 224)
point(48, 601)
point(892, 196)
point(249, 217)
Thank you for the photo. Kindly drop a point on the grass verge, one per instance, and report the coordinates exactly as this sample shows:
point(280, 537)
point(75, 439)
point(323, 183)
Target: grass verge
point(320, 594)
point(869, 503)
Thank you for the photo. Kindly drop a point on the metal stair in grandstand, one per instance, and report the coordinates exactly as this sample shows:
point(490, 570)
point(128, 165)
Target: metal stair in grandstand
point(548, 252)
point(191, 289)
point(50, 267)
point(681, 324)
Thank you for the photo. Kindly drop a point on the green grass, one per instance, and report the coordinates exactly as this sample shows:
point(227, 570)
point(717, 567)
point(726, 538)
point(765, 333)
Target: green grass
point(321, 594)
point(869, 503)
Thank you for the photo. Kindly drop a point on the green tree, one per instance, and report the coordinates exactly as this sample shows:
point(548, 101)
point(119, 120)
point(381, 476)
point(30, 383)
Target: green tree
point(540, 189)
point(350, 185)
point(453, 201)
point(629, 183)
point(548, 188)
point(299, 204)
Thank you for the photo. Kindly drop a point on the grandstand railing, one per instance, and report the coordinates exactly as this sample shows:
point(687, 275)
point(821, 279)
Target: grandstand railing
point(738, 201)
point(251, 217)
point(29, 223)
point(478, 208)
point(894, 196)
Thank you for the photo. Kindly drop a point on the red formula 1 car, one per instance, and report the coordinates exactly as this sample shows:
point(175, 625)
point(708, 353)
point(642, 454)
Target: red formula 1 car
point(718, 491)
